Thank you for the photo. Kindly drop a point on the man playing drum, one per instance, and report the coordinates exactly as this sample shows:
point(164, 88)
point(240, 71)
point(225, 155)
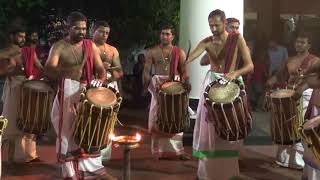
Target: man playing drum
point(161, 57)
point(311, 79)
point(22, 146)
point(110, 58)
point(216, 155)
point(291, 156)
point(71, 61)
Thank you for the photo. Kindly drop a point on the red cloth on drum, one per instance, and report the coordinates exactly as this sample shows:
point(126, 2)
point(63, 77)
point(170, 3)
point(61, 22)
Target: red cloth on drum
point(174, 62)
point(88, 68)
point(230, 45)
point(29, 56)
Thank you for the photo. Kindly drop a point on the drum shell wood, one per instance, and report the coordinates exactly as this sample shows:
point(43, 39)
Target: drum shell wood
point(36, 106)
point(92, 132)
point(232, 121)
point(172, 113)
point(285, 120)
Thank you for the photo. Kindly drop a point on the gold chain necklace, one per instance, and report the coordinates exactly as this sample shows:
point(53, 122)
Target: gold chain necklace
point(165, 60)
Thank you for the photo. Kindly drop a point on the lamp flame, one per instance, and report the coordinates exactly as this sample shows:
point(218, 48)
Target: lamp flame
point(138, 137)
point(112, 137)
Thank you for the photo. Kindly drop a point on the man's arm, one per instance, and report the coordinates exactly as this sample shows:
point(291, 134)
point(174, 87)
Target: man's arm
point(281, 75)
point(118, 73)
point(98, 65)
point(205, 60)
point(183, 68)
point(247, 61)
point(147, 69)
point(38, 63)
point(51, 69)
point(201, 47)
point(315, 68)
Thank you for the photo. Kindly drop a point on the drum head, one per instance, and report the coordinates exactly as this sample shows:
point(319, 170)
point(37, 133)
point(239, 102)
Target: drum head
point(101, 96)
point(224, 93)
point(172, 87)
point(282, 93)
point(39, 86)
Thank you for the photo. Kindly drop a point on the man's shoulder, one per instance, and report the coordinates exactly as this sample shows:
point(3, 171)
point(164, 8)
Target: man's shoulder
point(111, 48)
point(207, 39)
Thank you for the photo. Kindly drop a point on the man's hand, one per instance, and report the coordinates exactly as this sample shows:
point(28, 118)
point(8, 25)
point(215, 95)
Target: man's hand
point(187, 86)
point(231, 76)
point(95, 83)
point(270, 83)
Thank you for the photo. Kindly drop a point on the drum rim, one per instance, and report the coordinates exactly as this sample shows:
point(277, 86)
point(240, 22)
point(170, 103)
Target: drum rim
point(33, 90)
point(207, 98)
point(117, 94)
point(279, 89)
point(166, 81)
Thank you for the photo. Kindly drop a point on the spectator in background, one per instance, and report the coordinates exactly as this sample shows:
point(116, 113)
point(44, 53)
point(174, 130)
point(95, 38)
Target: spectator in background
point(138, 73)
point(278, 54)
point(258, 78)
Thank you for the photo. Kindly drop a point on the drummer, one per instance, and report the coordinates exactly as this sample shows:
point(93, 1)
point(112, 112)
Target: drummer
point(311, 169)
point(22, 146)
point(216, 155)
point(288, 76)
point(161, 56)
point(110, 58)
point(72, 61)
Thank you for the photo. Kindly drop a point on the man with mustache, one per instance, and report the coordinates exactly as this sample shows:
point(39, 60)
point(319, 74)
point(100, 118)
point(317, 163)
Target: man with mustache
point(72, 61)
point(22, 146)
point(110, 58)
point(215, 154)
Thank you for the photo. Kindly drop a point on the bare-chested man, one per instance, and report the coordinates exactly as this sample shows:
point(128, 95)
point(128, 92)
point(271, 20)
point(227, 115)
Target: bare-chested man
point(111, 61)
point(161, 56)
point(22, 146)
point(233, 25)
point(216, 155)
point(72, 60)
point(291, 156)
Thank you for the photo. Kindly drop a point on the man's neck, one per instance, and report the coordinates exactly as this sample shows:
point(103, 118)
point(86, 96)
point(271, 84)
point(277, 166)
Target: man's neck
point(72, 41)
point(166, 46)
point(99, 43)
point(303, 54)
point(33, 45)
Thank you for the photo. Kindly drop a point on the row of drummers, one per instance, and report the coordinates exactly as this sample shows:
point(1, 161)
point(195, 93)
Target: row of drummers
point(97, 114)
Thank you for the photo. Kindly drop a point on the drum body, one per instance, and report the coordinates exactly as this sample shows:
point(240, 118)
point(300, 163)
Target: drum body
point(286, 117)
point(310, 132)
point(36, 105)
point(228, 110)
point(172, 110)
point(96, 117)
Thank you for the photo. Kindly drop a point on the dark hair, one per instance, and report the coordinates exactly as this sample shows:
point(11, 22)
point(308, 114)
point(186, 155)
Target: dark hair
point(13, 30)
point(101, 23)
point(168, 26)
point(304, 34)
point(232, 20)
point(219, 13)
point(74, 17)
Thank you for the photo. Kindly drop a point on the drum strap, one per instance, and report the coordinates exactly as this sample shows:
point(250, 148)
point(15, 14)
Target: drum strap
point(230, 47)
point(307, 61)
point(28, 54)
point(88, 57)
point(174, 62)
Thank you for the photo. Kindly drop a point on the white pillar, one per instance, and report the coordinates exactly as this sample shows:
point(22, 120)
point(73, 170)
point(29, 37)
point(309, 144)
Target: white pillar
point(194, 27)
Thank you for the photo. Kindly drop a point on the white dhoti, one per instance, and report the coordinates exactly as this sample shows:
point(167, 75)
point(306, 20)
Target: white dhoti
point(311, 170)
point(162, 146)
point(74, 165)
point(218, 159)
point(106, 152)
point(22, 146)
point(292, 155)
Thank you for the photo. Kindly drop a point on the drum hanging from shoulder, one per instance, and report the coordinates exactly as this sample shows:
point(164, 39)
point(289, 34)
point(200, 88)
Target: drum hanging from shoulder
point(286, 117)
point(228, 110)
point(36, 105)
point(310, 132)
point(96, 118)
point(173, 105)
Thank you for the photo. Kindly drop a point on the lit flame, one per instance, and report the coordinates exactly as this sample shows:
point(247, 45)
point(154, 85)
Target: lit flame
point(112, 137)
point(138, 137)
